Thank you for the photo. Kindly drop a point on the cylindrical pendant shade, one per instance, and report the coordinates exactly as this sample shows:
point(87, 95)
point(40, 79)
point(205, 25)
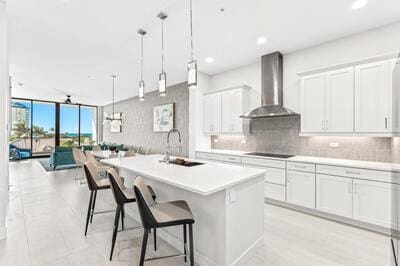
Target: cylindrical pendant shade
point(162, 84)
point(141, 90)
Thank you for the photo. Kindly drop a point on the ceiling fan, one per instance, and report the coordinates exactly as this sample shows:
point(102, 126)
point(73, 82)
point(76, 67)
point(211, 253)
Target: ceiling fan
point(68, 100)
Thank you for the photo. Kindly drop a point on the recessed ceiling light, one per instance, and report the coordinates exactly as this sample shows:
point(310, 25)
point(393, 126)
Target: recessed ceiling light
point(359, 4)
point(261, 40)
point(209, 59)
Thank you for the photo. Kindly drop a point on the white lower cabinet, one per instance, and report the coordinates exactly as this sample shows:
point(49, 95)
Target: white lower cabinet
point(334, 195)
point(372, 202)
point(274, 191)
point(301, 188)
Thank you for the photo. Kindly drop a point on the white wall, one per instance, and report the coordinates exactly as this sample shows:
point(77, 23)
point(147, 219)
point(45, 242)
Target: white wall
point(374, 42)
point(4, 94)
point(197, 139)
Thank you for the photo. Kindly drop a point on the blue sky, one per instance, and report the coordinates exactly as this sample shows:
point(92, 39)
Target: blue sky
point(44, 116)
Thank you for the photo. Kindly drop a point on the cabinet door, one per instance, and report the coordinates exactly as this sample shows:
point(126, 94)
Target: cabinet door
point(227, 109)
point(395, 94)
point(334, 195)
point(372, 202)
point(339, 111)
point(212, 113)
point(301, 188)
point(372, 97)
point(237, 111)
point(312, 103)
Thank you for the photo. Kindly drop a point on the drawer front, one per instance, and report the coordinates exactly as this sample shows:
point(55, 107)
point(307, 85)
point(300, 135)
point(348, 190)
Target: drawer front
point(273, 191)
point(232, 159)
point(264, 162)
point(306, 167)
point(358, 173)
point(276, 176)
point(209, 156)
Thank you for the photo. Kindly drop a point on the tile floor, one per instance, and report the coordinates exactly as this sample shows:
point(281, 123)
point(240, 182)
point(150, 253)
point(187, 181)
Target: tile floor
point(46, 224)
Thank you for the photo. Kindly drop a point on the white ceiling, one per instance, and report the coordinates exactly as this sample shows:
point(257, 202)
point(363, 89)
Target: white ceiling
point(60, 47)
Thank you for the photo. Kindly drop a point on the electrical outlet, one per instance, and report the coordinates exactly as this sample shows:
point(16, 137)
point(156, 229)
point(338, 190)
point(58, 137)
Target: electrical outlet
point(334, 145)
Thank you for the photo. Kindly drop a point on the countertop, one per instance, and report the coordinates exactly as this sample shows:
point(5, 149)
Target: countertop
point(380, 166)
point(202, 179)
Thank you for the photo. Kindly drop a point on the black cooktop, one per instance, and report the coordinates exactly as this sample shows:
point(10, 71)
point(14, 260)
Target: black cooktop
point(283, 156)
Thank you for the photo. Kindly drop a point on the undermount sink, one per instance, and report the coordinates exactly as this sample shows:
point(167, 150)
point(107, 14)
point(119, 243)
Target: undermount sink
point(185, 163)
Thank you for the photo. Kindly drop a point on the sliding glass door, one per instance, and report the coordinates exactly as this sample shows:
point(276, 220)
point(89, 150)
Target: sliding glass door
point(37, 127)
point(69, 125)
point(43, 127)
point(88, 125)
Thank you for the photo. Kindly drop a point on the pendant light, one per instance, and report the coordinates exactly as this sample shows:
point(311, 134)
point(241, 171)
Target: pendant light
point(141, 82)
point(112, 119)
point(162, 77)
point(192, 65)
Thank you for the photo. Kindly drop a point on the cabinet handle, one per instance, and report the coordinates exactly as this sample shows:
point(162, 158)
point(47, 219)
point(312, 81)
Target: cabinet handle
point(300, 166)
point(350, 188)
point(386, 122)
point(352, 173)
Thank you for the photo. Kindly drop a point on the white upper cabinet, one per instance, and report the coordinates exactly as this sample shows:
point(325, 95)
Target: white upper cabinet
point(327, 101)
point(225, 107)
point(354, 98)
point(395, 90)
point(212, 113)
point(372, 98)
point(313, 103)
point(339, 99)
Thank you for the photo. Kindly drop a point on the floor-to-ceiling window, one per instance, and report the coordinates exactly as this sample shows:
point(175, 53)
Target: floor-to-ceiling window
point(40, 126)
point(88, 126)
point(20, 134)
point(43, 127)
point(69, 125)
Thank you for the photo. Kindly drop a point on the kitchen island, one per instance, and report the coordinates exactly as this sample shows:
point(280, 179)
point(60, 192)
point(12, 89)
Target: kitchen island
point(227, 202)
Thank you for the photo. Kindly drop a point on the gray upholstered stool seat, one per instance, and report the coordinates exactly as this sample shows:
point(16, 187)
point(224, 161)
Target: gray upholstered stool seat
point(172, 213)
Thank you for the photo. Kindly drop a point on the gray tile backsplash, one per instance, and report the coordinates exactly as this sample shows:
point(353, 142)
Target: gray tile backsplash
point(281, 135)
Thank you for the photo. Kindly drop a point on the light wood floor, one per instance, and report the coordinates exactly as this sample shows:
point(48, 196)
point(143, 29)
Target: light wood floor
point(46, 224)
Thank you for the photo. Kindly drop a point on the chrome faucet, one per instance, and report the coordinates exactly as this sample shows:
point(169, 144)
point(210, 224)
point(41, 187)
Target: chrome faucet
point(168, 149)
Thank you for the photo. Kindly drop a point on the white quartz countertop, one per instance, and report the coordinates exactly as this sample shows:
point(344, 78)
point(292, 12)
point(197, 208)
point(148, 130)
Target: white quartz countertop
point(202, 179)
point(380, 166)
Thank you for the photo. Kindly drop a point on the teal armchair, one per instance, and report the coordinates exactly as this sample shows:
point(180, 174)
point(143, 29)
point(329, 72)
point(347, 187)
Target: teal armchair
point(61, 156)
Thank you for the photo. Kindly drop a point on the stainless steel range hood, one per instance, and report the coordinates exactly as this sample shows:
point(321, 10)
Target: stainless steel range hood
point(271, 89)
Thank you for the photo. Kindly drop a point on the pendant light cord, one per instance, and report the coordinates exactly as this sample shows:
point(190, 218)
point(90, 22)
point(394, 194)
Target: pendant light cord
point(113, 110)
point(141, 63)
point(191, 29)
point(162, 46)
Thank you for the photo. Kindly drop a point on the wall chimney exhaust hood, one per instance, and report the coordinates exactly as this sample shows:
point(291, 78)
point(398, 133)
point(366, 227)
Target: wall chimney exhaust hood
point(271, 89)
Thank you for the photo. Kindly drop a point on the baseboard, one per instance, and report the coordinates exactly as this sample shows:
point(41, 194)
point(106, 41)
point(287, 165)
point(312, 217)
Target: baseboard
point(199, 258)
point(3, 232)
point(246, 256)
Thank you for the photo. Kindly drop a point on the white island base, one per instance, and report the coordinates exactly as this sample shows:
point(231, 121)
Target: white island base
point(228, 227)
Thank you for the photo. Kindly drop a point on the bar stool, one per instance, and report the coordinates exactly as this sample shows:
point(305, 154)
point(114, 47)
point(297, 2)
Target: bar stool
point(123, 195)
point(156, 215)
point(94, 183)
